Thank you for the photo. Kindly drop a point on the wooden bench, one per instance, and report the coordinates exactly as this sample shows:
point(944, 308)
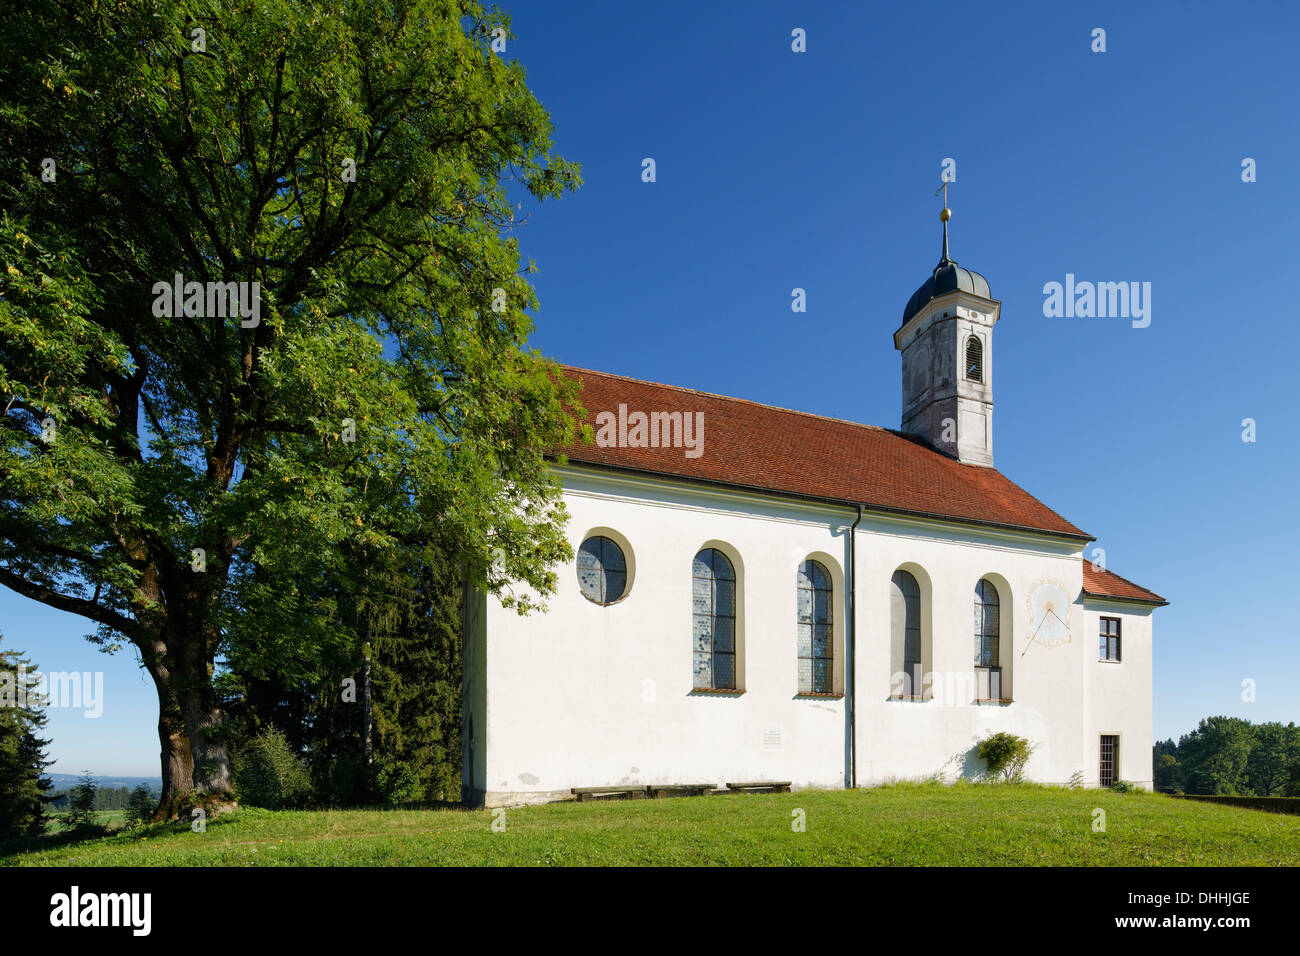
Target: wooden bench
point(609, 793)
point(660, 790)
point(760, 786)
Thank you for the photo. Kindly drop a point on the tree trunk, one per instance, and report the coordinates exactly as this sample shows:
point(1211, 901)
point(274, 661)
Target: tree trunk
point(195, 762)
point(177, 763)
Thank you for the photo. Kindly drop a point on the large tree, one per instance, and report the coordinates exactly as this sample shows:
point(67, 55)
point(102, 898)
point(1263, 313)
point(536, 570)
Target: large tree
point(168, 469)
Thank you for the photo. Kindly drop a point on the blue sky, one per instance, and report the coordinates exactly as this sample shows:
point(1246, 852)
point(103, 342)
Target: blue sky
point(778, 170)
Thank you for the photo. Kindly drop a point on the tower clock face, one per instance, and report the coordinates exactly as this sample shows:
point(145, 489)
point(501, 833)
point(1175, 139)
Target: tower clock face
point(1049, 613)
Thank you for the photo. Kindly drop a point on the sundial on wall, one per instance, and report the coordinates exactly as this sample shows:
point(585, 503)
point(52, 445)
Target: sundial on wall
point(1049, 613)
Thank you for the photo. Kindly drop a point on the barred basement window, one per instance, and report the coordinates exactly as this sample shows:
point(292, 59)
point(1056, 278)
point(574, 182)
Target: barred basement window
point(974, 359)
point(813, 625)
point(1109, 645)
point(713, 602)
point(602, 570)
point(1109, 759)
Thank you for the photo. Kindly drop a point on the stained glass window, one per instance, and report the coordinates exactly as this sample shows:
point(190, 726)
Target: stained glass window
point(713, 605)
point(602, 570)
point(905, 620)
point(814, 637)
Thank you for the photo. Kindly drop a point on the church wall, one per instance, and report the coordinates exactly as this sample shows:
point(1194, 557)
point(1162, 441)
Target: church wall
point(586, 695)
point(909, 739)
point(1119, 694)
point(589, 696)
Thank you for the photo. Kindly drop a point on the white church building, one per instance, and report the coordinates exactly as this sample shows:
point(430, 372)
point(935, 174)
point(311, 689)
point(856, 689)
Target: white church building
point(766, 596)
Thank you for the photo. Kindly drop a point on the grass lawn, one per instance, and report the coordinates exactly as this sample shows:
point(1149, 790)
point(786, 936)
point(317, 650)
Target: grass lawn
point(105, 818)
point(902, 824)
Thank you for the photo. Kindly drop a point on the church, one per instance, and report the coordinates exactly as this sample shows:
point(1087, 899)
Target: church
point(767, 599)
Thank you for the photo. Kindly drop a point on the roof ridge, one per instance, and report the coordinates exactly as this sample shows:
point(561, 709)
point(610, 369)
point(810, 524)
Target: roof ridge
point(734, 398)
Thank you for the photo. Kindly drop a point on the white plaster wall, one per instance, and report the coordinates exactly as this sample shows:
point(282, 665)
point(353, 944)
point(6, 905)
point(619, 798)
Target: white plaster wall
point(1119, 695)
point(585, 695)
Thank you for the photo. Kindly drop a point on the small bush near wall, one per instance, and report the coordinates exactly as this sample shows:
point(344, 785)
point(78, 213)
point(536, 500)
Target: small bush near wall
point(1271, 804)
point(1005, 756)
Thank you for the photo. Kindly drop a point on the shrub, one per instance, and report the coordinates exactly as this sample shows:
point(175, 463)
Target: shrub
point(1005, 756)
point(269, 774)
point(1122, 786)
point(397, 783)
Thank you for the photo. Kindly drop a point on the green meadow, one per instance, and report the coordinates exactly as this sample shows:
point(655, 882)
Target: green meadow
point(895, 825)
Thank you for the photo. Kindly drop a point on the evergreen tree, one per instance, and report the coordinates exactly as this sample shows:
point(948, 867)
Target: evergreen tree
point(81, 805)
point(22, 751)
point(139, 808)
point(412, 617)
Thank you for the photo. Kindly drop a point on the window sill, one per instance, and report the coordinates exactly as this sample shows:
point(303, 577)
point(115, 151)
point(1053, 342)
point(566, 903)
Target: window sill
point(908, 698)
point(716, 690)
point(1003, 701)
point(1109, 660)
point(814, 696)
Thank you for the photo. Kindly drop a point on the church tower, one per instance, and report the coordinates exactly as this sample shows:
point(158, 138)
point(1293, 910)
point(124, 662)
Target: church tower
point(947, 343)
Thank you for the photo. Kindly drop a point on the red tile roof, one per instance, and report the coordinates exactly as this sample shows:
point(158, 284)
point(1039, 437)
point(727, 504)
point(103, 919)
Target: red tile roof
point(1099, 582)
point(771, 449)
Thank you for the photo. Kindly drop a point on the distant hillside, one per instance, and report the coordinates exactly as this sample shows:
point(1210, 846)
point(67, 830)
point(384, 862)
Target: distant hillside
point(62, 781)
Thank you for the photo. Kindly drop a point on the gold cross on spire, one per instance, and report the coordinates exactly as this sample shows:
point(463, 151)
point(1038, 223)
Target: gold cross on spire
point(944, 215)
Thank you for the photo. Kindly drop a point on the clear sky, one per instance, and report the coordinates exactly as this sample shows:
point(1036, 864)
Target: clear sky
point(816, 170)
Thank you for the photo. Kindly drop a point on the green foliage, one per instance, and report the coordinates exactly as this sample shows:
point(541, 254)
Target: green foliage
point(412, 621)
point(1229, 756)
point(1123, 786)
point(1167, 773)
point(22, 750)
point(140, 806)
point(81, 807)
point(269, 774)
point(397, 783)
point(130, 437)
point(1004, 756)
point(406, 616)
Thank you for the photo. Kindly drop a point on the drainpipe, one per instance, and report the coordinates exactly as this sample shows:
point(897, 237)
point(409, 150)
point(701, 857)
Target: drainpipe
point(850, 683)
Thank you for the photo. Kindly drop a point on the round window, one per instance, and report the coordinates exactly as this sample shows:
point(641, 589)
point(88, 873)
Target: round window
point(602, 570)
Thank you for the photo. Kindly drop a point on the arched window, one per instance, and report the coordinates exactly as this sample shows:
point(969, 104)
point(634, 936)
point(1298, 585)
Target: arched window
point(602, 570)
point(974, 359)
point(713, 600)
point(988, 653)
point(905, 629)
point(815, 640)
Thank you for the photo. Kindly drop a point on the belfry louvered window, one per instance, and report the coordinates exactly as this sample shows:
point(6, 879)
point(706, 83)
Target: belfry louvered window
point(815, 640)
point(974, 359)
point(713, 602)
